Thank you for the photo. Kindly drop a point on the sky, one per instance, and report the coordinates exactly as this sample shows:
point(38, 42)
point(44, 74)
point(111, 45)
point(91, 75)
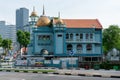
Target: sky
point(106, 11)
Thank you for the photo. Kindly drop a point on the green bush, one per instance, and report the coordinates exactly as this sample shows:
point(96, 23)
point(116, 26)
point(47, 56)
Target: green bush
point(96, 66)
point(105, 65)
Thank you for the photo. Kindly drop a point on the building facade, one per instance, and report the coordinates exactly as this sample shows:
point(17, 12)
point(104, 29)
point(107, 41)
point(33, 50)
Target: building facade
point(22, 18)
point(3, 30)
point(12, 33)
point(8, 31)
point(66, 43)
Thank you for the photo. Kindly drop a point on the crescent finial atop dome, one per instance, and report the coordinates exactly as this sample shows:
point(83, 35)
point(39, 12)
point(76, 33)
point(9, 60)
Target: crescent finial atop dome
point(43, 20)
point(33, 12)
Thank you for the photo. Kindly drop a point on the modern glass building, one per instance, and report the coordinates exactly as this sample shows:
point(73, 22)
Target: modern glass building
point(8, 31)
point(22, 18)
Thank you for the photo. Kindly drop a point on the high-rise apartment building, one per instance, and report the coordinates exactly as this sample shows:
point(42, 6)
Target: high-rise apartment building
point(22, 17)
point(12, 32)
point(8, 31)
point(3, 30)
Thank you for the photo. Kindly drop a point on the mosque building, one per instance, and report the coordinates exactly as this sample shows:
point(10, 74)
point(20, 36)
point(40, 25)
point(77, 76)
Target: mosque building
point(64, 43)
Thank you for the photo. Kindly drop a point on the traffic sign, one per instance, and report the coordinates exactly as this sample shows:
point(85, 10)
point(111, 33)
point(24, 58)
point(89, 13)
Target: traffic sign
point(71, 52)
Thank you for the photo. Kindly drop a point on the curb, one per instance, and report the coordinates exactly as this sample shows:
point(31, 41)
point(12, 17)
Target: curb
point(97, 75)
point(81, 74)
point(35, 67)
point(114, 76)
point(57, 73)
point(67, 74)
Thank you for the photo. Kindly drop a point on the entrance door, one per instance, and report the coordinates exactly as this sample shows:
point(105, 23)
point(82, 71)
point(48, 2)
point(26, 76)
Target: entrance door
point(64, 64)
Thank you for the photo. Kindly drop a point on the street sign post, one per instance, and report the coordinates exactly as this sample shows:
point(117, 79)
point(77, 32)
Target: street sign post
point(71, 53)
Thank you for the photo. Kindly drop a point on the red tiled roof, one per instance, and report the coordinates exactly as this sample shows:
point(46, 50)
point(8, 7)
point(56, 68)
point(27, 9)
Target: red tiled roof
point(82, 23)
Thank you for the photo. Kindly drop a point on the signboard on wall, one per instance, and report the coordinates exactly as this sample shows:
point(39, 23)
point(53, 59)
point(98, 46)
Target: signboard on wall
point(56, 61)
point(21, 62)
point(47, 62)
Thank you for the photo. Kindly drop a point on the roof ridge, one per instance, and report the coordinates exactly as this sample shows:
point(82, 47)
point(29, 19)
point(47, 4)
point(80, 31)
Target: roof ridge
point(99, 23)
point(79, 19)
point(82, 23)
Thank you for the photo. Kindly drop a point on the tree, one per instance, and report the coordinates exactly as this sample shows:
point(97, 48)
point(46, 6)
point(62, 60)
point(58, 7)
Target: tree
point(20, 37)
point(26, 39)
point(0, 41)
point(111, 38)
point(23, 38)
point(7, 45)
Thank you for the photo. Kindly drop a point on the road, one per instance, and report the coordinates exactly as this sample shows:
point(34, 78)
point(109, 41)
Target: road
point(36, 76)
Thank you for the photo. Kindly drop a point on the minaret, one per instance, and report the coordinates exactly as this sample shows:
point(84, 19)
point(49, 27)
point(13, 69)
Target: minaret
point(59, 15)
point(59, 21)
point(34, 16)
point(33, 8)
point(59, 37)
point(43, 10)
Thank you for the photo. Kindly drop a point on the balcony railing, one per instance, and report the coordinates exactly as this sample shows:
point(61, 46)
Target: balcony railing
point(89, 51)
point(80, 40)
point(79, 51)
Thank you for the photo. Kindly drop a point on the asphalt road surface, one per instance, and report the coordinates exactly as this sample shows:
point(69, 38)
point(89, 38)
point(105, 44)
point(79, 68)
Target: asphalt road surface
point(36, 76)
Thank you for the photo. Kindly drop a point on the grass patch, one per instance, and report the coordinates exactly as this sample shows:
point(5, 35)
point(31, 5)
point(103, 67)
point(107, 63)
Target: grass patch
point(45, 72)
point(8, 70)
point(25, 71)
point(35, 72)
point(29, 70)
point(16, 70)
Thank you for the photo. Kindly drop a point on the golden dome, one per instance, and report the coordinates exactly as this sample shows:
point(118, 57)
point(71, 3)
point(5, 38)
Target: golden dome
point(43, 21)
point(33, 13)
point(58, 21)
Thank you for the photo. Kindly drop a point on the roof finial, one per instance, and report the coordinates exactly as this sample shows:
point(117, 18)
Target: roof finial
point(33, 8)
point(59, 15)
point(43, 10)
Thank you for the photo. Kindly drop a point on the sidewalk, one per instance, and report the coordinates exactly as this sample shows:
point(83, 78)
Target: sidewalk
point(84, 72)
point(90, 72)
point(73, 72)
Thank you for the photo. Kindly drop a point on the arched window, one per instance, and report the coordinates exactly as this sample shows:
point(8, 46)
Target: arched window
point(48, 37)
point(91, 36)
point(81, 36)
point(69, 47)
point(44, 52)
point(79, 48)
point(77, 36)
point(67, 36)
point(87, 36)
point(89, 47)
point(39, 37)
point(44, 37)
point(71, 36)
